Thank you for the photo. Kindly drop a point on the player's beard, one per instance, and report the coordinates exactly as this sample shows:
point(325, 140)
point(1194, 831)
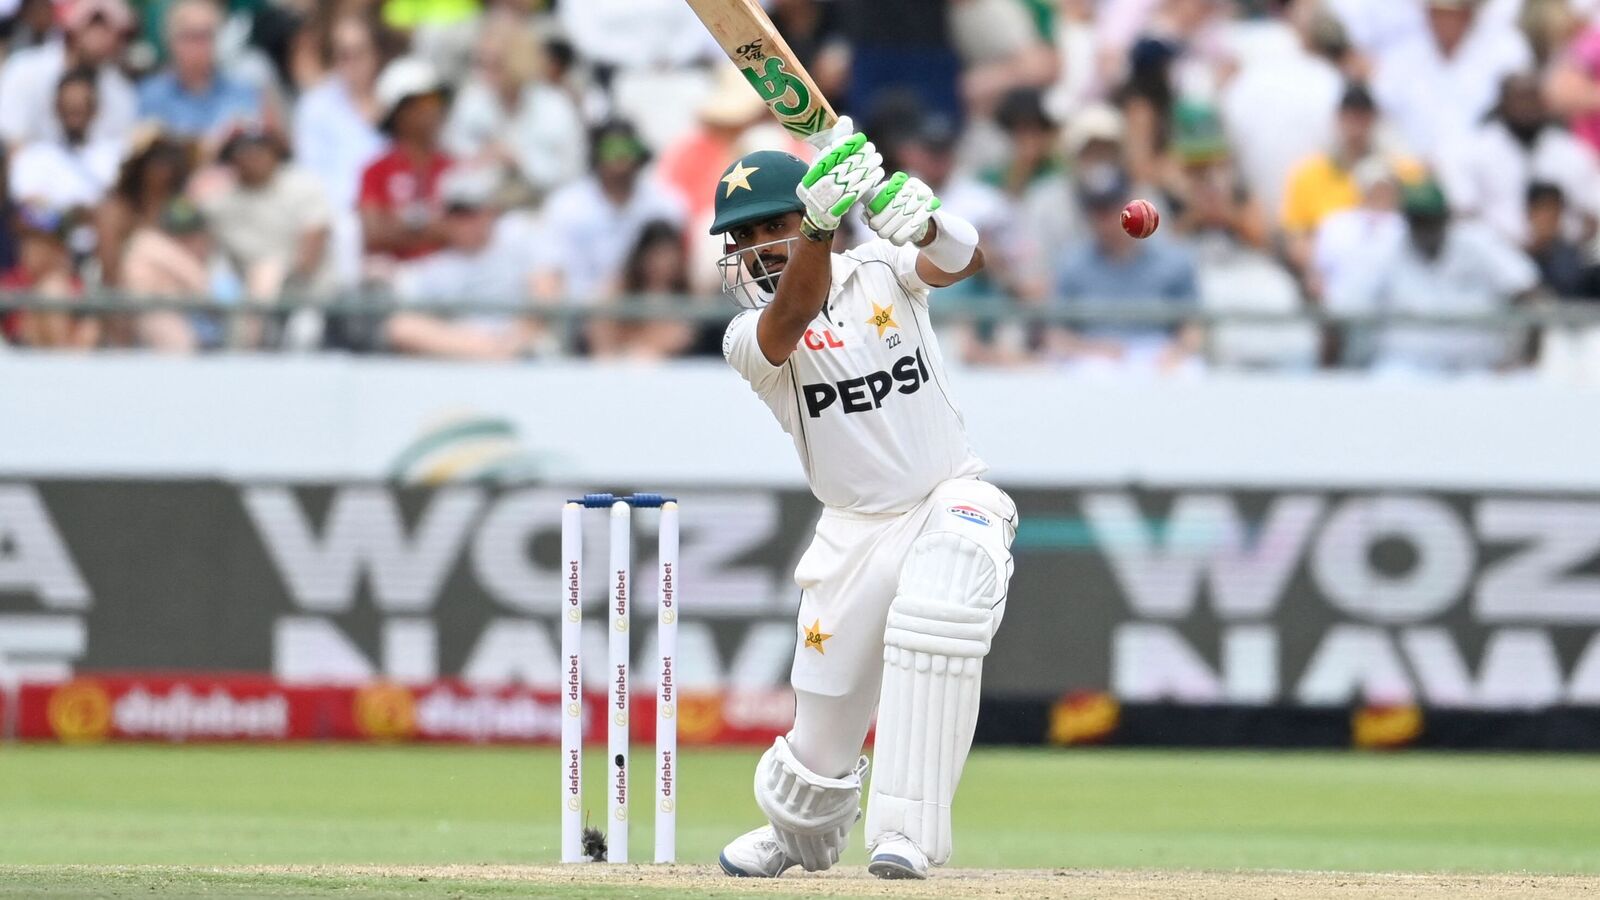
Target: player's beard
point(765, 269)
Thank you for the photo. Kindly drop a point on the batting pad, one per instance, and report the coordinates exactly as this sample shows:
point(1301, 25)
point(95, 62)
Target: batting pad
point(939, 629)
point(811, 815)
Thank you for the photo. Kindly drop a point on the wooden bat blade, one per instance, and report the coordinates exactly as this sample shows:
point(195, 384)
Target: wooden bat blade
point(750, 39)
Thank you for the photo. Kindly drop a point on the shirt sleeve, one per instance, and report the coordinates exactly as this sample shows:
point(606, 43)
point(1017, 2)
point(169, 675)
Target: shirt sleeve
point(1297, 212)
point(743, 351)
point(14, 122)
point(1506, 266)
point(311, 202)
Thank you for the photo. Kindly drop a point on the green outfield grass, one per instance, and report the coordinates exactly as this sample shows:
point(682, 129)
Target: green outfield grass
point(229, 807)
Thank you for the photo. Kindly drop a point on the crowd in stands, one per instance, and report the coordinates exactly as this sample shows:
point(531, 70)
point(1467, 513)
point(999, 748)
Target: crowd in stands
point(1411, 157)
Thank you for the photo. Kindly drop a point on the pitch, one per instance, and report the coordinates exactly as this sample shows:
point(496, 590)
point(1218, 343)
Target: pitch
point(437, 822)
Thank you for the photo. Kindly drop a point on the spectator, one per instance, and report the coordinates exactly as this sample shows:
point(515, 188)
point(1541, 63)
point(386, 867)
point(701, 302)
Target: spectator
point(1111, 267)
point(1437, 86)
point(590, 225)
point(174, 258)
point(1203, 186)
point(1346, 241)
point(1226, 230)
point(642, 34)
point(193, 98)
point(1050, 215)
point(92, 40)
point(656, 271)
point(1573, 85)
point(70, 174)
point(273, 221)
point(507, 115)
point(1563, 271)
point(1178, 59)
point(930, 154)
point(1442, 268)
point(485, 261)
point(1279, 109)
point(1001, 48)
point(28, 23)
point(1487, 178)
point(150, 178)
point(1325, 183)
point(336, 122)
point(814, 30)
point(400, 211)
point(1030, 143)
point(44, 270)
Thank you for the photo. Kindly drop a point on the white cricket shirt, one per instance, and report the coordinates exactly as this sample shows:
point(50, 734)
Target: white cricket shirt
point(865, 395)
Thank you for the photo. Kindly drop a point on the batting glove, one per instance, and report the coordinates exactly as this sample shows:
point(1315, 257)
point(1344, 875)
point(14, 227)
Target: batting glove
point(846, 171)
point(900, 211)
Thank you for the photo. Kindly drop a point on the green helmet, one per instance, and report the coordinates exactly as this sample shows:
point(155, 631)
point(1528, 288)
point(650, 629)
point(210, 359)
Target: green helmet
point(758, 186)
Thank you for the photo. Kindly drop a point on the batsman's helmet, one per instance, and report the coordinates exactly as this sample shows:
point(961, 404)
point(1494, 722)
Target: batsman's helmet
point(756, 187)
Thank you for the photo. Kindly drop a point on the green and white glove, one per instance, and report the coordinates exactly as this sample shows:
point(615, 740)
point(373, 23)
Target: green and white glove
point(846, 171)
point(901, 210)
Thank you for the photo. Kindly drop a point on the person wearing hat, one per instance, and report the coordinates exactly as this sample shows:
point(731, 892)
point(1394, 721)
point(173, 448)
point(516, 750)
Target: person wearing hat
point(1204, 188)
point(273, 221)
point(1441, 268)
point(485, 260)
point(1110, 267)
point(1050, 215)
point(193, 97)
point(912, 552)
point(93, 36)
point(399, 201)
point(589, 225)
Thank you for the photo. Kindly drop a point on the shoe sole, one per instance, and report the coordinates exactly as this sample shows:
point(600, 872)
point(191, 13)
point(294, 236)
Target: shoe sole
point(892, 868)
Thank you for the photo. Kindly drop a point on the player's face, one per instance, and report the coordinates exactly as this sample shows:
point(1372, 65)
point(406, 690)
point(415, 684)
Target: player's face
point(770, 240)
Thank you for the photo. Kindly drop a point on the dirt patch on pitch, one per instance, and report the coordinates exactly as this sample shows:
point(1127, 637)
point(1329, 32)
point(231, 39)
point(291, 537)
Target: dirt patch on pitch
point(853, 881)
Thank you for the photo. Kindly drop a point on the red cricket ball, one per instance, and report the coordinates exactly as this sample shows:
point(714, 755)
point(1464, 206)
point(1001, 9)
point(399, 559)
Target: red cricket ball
point(1140, 219)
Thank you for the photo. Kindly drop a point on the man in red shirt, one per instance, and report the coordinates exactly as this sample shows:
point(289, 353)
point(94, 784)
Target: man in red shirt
point(401, 216)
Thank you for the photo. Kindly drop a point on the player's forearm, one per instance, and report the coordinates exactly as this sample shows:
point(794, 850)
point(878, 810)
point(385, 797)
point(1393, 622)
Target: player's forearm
point(802, 291)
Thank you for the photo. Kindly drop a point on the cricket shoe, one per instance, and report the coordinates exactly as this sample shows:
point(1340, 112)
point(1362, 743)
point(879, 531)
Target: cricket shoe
point(755, 854)
point(895, 856)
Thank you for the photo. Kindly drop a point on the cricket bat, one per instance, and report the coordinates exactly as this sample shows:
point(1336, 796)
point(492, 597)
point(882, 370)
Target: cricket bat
point(750, 39)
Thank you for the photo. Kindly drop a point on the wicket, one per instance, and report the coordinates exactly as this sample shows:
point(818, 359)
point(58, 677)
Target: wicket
point(617, 707)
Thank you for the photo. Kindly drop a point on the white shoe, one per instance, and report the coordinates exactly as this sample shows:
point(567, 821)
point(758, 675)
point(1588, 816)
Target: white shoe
point(895, 856)
point(755, 854)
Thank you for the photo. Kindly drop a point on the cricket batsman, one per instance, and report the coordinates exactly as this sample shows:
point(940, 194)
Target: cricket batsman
point(905, 582)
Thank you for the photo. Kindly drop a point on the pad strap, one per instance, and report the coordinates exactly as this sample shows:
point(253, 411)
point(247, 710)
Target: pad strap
point(811, 814)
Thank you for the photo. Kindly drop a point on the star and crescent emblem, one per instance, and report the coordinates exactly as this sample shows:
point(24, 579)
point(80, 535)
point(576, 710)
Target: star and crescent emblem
point(739, 178)
point(815, 637)
point(883, 318)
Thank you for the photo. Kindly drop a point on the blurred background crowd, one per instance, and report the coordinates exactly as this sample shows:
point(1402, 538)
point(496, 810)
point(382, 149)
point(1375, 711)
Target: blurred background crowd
point(1414, 159)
